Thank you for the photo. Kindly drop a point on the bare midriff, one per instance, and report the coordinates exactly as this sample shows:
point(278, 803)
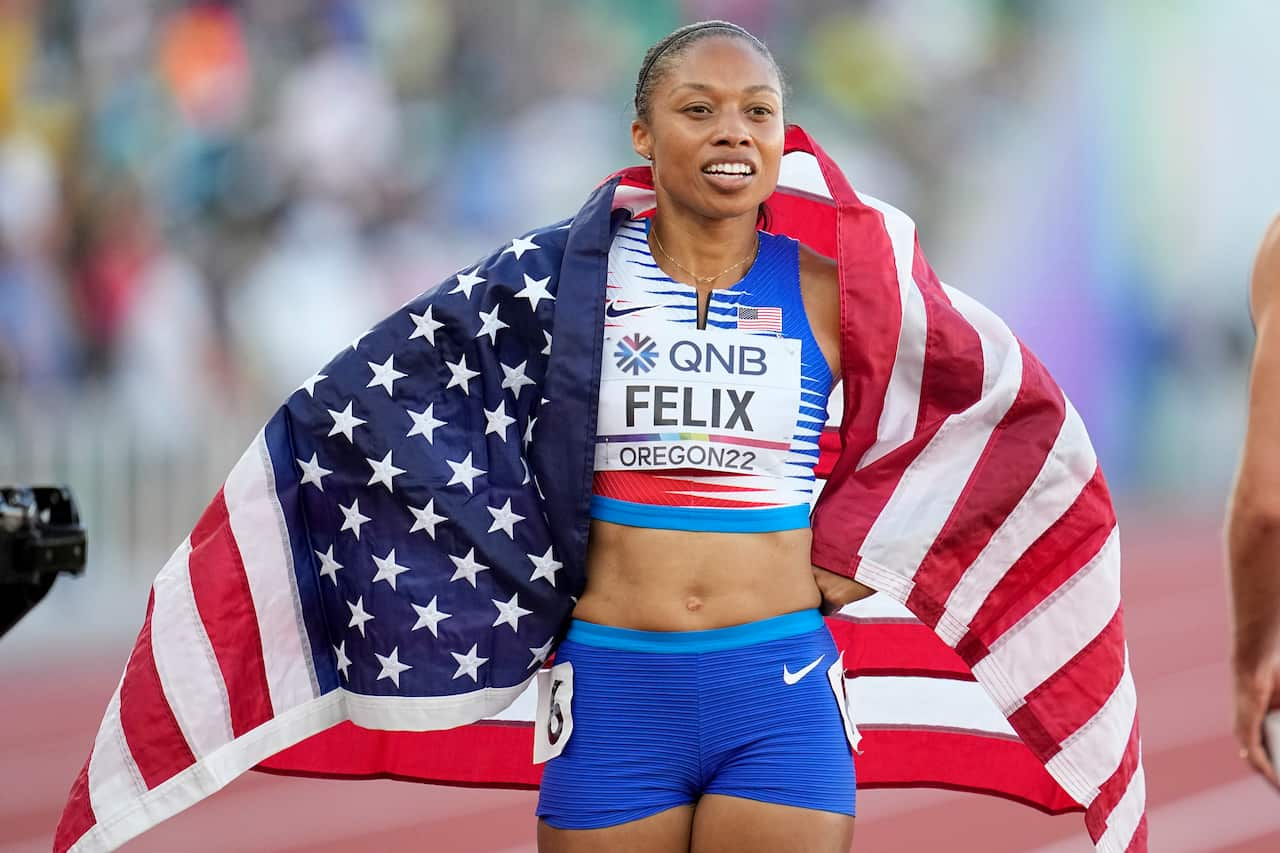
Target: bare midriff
point(680, 580)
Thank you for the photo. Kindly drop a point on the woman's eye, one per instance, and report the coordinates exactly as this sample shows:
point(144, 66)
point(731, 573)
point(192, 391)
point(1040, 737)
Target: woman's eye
point(761, 111)
point(698, 109)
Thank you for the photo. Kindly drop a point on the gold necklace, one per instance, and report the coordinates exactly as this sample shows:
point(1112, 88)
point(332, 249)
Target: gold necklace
point(706, 278)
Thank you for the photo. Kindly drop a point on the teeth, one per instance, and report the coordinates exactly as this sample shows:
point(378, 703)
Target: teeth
point(728, 169)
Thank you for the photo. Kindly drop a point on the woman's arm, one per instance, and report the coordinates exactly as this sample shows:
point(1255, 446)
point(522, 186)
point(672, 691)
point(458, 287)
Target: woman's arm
point(1253, 524)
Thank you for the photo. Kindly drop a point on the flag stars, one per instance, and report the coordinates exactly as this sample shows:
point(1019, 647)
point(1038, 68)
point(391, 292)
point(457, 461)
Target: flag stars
point(464, 473)
point(313, 473)
point(469, 664)
point(528, 431)
point(425, 424)
point(385, 374)
point(509, 612)
point(328, 565)
point(540, 653)
point(429, 617)
point(391, 666)
point(344, 662)
point(490, 324)
point(519, 246)
point(426, 519)
point(384, 471)
point(388, 569)
point(515, 378)
point(425, 325)
point(352, 517)
point(467, 568)
point(461, 375)
point(310, 385)
point(466, 281)
point(504, 519)
point(535, 290)
point(544, 567)
point(498, 421)
point(358, 615)
point(547, 349)
point(344, 423)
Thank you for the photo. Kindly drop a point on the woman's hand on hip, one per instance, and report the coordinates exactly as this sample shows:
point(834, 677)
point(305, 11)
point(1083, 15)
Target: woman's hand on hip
point(838, 590)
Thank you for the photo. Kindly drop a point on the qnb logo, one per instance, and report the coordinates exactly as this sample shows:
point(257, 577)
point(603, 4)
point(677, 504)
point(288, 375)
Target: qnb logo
point(636, 354)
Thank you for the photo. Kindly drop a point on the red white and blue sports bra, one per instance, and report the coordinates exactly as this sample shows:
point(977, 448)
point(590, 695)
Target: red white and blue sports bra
point(711, 429)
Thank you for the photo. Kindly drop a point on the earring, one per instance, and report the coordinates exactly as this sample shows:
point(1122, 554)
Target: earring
point(648, 155)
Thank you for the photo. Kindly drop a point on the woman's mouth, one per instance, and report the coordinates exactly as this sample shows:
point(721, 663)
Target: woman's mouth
point(729, 175)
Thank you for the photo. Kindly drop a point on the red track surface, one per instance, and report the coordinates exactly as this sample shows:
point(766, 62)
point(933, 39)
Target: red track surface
point(1199, 796)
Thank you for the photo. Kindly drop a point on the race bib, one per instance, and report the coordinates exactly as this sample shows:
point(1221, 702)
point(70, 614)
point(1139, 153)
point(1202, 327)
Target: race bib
point(840, 687)
point(674, 397)
point(554, 723)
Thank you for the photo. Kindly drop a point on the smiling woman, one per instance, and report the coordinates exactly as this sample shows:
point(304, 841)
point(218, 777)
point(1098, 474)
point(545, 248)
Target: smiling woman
point(700, 593)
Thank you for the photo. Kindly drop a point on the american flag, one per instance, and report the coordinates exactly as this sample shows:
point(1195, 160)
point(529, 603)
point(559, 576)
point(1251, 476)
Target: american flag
point(394, 556)
point(755, 319)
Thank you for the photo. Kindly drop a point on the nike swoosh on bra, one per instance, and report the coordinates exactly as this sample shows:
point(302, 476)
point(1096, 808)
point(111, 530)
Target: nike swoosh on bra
point(792, 677)
point(610, 311)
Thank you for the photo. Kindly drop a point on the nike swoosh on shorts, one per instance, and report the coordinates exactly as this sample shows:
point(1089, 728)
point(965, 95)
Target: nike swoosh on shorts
point(610, 311)
point(790, 677)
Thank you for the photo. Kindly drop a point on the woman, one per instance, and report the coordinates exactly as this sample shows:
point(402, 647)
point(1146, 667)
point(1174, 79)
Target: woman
point(700, 626)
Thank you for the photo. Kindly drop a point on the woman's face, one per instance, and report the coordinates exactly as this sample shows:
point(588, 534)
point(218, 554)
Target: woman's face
point(715, 130)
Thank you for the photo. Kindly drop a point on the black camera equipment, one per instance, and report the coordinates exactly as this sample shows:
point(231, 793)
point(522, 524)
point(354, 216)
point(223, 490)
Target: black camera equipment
point(40, 538)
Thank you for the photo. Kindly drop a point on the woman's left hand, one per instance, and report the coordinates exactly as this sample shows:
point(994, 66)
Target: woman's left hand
point(838, 590)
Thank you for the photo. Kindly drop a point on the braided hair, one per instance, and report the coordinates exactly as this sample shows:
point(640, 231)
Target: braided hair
point(663, 55)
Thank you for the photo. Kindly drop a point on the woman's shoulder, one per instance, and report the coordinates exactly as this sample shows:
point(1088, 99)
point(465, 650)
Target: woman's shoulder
point(817, 270)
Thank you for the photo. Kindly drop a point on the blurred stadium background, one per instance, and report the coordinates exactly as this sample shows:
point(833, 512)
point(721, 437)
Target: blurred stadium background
point(201, 201)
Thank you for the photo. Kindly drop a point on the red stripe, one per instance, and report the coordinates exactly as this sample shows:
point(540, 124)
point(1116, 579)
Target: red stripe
point(1010, 463)
point(1075, 693)
point(77, 815)
point(891, 758)
point(1096, 817)
point(156, 743)
point(226, 608)
point(895, 648)
point(663, 490)
point(1139, 842)
point(828, 452)
point(952, 373)
point(1063, 549)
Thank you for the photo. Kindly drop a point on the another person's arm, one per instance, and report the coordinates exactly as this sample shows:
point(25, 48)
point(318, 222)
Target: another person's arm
point(1253, 524)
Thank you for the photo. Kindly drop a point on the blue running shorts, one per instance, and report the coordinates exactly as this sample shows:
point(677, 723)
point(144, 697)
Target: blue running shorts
point(661, 718)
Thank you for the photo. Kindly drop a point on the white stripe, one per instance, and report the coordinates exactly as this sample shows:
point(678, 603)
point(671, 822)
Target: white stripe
point(134, 811)
point(800, 170)
point(525, 706)
point(1123, 821)
point(918, 701)
point(902, 396)
point(1066, 470)
point(878, 606)
point(635, 199)
point(927, 493)
point(1055, 631)
point(268, 564)
point(184, 658)
point(114, 780)
point(1093, 752)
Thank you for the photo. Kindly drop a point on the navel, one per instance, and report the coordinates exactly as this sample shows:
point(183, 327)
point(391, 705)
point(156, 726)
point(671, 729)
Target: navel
point(693, 604)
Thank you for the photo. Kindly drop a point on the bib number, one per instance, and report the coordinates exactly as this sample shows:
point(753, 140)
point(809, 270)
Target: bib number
point(554, 723)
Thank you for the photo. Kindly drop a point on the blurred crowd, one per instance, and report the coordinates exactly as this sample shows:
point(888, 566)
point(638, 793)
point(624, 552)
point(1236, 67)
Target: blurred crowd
point(202, 201)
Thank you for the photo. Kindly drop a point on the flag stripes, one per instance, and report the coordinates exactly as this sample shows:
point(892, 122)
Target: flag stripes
point(961, 485)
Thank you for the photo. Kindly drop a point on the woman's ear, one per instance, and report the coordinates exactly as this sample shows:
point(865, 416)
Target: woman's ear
point(642, 139)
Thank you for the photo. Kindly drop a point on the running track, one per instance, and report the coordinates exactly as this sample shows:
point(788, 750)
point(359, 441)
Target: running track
point(1200, 797)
